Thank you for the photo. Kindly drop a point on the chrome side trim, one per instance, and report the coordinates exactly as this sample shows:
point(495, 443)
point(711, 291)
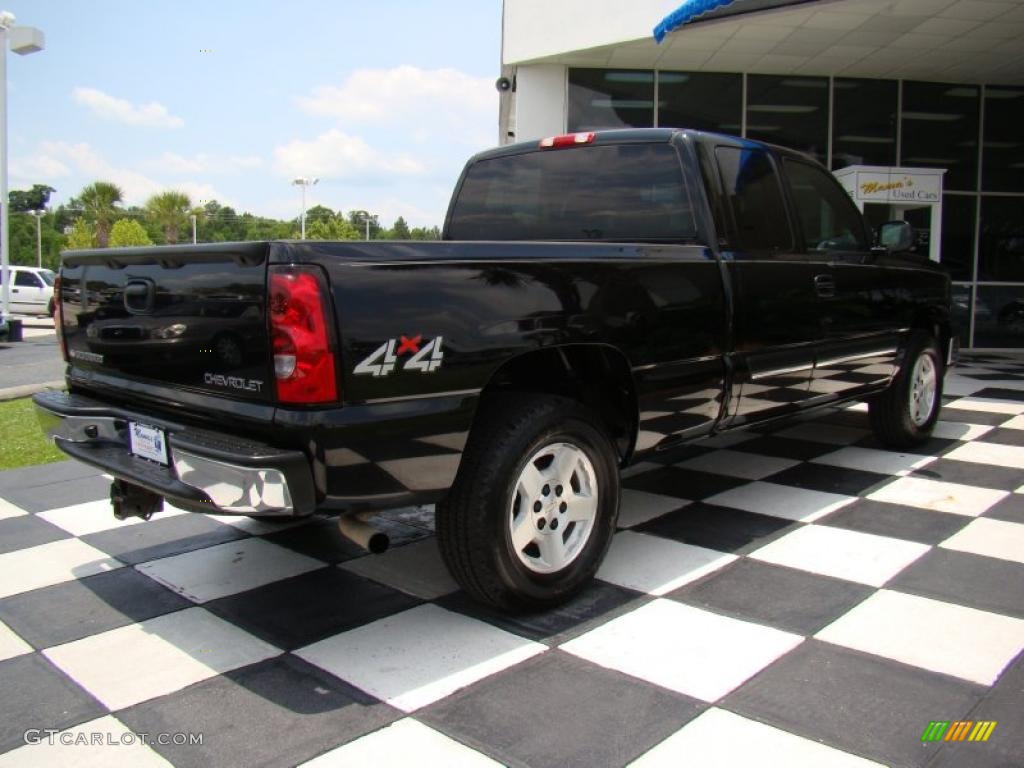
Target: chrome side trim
point(429, 395)
point(779, 372)
point(890, 352)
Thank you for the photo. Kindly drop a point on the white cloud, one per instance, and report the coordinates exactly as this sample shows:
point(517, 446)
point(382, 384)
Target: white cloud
point(171, 162)
point(110, 107)
point(339, 155)
point(428, 101)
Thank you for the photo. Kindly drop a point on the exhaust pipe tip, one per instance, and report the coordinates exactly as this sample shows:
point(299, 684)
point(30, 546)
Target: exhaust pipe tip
point(354, 528)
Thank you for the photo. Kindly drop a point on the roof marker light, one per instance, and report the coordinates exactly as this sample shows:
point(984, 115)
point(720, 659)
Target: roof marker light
point(567, 140)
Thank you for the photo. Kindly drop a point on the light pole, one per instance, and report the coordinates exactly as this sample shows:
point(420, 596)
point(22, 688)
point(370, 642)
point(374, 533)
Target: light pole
point(23, 40)
point(304, 182)
point(38, 216)
point(193, 217)
point(367, 217)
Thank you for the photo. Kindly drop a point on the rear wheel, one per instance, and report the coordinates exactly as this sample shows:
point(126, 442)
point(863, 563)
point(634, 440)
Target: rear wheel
point(533, 509)
point(904, 415)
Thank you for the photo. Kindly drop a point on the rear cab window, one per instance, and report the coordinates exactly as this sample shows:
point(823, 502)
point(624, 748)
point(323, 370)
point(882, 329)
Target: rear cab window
point(603, 192)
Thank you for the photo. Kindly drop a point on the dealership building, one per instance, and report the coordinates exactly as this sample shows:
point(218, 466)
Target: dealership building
point(916, 105)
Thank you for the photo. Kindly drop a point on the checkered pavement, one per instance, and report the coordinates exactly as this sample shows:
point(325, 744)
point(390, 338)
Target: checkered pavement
point(798, 596)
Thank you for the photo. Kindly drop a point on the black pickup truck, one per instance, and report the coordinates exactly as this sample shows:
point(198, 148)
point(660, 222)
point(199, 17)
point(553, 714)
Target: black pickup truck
point(597, 298)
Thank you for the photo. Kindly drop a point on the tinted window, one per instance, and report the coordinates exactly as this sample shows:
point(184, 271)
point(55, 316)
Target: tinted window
point(1001, 255)
point(1003, 159)
point(755, 198)
point(705, 101)
point(791, 111)
point(864, 131)
point(27, 279)
point(626, 192)
point(940, 130)
point(47, 276)
point(602, 98)
point(828, 218)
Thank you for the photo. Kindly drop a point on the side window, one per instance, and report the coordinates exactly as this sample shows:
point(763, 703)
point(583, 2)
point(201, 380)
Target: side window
point(828, 218)
point(752, 187)
point(26, 279)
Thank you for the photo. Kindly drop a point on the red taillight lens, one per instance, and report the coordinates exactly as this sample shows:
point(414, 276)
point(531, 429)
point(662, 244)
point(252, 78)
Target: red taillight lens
point(58, 318)
point(303, 360)
point(567, 140)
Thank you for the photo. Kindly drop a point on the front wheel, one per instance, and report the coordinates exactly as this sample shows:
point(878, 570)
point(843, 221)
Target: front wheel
point(533, 509)
point(904, 415)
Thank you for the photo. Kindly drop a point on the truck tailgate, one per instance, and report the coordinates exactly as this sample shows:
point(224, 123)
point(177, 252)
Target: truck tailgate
point(188, 316)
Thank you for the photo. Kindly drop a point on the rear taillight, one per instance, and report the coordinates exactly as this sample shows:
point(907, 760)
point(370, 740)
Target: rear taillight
point(58, 318)
point(567, 140)
point(304, 365)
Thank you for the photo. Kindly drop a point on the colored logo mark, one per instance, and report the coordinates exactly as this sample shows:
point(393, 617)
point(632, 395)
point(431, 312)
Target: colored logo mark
point(958, 730)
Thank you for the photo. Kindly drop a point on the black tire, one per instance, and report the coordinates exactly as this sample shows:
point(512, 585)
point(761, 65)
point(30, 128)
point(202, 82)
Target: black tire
point(474, 521)
point(51, 308)
point(890, 412)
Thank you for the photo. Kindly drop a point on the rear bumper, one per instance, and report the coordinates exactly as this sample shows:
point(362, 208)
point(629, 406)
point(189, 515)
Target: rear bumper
point(207, 471)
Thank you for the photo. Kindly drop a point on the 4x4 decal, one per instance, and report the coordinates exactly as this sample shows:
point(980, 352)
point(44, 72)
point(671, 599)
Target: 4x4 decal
point(425, 358)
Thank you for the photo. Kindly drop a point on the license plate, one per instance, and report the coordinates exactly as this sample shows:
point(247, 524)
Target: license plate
point(148, 442)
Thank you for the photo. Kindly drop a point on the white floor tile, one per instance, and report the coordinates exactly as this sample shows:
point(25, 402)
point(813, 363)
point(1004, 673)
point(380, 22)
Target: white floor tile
point(951, 639)
point(851, 555)
point(955, 498)
point(781, 501)
point(961, 386)
point(832, 434)
point(872, 460)
point(11, 644)
point(639, 506)
point(9, 510)
point(95, 516)
point(988, 405)
point(1017, 422)
point(119, 747)
point(257, 527)
point(997, 454)
point(131, 664)
point(954, 430)
point(419, 656)
point(228, 568)
point(721, 739)
point(655, 565)
point(50, 564)
point(991, 538)
point(405, 743)
point(748, 466)
point(684, 649)
point(416, 569)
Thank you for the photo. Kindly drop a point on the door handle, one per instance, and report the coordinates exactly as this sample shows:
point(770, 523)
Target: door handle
point(825, 286)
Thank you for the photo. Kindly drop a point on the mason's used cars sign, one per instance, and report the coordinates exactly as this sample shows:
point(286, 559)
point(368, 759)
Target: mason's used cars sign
point(893, 185)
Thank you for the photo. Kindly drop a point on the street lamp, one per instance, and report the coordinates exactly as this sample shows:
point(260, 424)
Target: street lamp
point(23, 40)
point(304, 182)
point(38, 216)
point(367, 217)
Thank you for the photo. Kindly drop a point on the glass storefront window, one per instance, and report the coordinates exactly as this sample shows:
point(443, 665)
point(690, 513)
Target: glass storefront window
point(864, 122)
point(705, 101)
point(610, 98)
point(1002, 162)
point(957, 248)
point(940, 130)
point(960, 317)
point(1001, 245)
point(999, 316)
point(791, 111)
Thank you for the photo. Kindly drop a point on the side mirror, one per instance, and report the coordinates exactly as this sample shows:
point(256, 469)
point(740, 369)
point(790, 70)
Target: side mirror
point(896, 236)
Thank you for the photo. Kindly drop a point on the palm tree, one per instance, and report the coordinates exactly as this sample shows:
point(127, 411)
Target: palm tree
point(170, 211)
point(99, 201)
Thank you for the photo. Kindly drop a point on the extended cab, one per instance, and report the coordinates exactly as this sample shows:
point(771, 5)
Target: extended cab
point(597, 299)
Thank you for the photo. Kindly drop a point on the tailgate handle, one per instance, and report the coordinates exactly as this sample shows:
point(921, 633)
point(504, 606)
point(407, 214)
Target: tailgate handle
point(138, 296)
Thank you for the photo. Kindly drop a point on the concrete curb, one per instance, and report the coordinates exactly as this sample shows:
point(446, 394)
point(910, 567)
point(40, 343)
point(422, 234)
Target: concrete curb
point(13, 393)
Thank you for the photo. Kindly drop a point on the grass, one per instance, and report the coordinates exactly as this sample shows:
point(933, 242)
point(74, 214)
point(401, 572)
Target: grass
point(21, 441)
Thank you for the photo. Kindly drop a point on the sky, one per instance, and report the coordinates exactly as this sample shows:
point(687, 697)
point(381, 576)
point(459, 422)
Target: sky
point(233, 99)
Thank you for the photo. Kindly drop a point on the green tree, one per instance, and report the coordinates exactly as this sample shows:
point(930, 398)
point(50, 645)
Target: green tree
point(425, 233)
point(34, 199)
point(401, 230)
point(335, 228)
point(81, 235)
point(170, 211)
point(358, 220)
point(99, 203)
point(128, 232)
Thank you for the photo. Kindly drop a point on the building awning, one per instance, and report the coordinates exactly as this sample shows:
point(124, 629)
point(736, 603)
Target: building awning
point(703, 10)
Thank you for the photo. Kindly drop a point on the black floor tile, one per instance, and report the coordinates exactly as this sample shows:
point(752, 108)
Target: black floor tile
point(278, 712)
point(44, 474)
point(38, 695)
point(26, 531)
point(682, 483)
point(896, 521)
point(863, 704)
point(979, 582)
point(1010, 509)
point(162, 537)
point(934, 446)
point(59, 494)
point(965, 416)
point(1004, 436)
point(714, 527)
point(785, 447)
point(972, 473)
point(319, 538)
point(76, 609)
point(998, 393)
point(558, 711)
point(822, 477)
point(304, 609)
point(785, 598)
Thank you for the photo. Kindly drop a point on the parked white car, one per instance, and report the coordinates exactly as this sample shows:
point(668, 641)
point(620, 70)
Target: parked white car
point(31, 291)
